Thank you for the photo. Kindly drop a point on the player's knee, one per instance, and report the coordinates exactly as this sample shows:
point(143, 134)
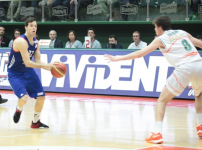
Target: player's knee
point(24, 99)
point(41, 99)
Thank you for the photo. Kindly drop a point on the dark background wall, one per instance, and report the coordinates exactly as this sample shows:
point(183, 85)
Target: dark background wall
point(122, 30)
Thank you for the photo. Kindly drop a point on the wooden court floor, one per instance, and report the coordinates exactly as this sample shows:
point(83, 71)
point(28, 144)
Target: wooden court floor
point(93, 122)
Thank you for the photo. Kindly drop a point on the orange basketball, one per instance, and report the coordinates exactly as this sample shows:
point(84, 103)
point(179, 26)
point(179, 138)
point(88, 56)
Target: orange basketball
point(59, 70)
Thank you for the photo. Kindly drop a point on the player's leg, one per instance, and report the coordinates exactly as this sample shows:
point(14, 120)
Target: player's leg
point(3, 100)
point(21, 102)
point(36, 123)
point(164, 98)
point(198, 106)
point(35, 89)
point(175, 85)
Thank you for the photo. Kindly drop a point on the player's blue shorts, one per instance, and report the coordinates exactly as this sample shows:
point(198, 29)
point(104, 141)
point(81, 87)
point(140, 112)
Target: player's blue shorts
point(26, 82)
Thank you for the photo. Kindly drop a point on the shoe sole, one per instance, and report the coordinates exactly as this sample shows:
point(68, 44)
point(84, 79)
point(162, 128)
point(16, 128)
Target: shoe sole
point(156, 141)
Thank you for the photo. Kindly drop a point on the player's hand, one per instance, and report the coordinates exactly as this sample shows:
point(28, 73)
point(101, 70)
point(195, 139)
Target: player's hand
point(111, 58)
point(51, 65)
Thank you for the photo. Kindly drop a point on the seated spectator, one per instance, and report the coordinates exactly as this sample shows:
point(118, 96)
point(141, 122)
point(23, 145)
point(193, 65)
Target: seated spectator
point(72, 41)
point(94, 43)
point(113, 43)
point(16, 33)
point(3, 9)
point(16, 12)
point(138, 43)
point(4, 41)
point(55, 43)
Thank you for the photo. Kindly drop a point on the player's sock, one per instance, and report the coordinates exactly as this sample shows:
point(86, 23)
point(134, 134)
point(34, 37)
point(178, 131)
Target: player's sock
point(19, 108)
point(158, 127)
point(36, 117)
point(199, 119)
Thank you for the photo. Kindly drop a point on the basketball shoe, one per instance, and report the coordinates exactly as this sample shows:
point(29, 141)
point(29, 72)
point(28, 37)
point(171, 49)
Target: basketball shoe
point(199, 130)
point(3, 100)
point(38, 124)
point(16, 116)
point(155, 138)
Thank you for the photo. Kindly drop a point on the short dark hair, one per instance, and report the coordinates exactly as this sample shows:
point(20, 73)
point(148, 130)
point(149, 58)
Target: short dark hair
point(91, 29)
point(14, 32)
point(163, 21)
point(140, 35)
point(29, 19)
point(73, 33)
point(2, 27)
point(113, 36)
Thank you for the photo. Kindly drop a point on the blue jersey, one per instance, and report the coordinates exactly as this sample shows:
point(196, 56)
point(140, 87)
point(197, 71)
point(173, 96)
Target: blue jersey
point(16, 63)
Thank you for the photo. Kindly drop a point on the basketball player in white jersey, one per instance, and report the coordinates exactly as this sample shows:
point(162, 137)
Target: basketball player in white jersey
point(178, 47)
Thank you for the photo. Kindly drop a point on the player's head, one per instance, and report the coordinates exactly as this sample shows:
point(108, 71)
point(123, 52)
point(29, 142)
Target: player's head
point(31, 26)
point(161, 24)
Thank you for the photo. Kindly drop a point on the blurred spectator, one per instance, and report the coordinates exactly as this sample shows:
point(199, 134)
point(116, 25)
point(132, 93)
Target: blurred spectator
point(138, 43)
point(113, 43)
point(94, 43)
point(106, 8)
point(16, 11)
point(30, 4)
point(4, 41)
point(16, 33)
point(72, 41)
point(55, 43)
point(71, 5)
point(3, 9)
point(47, 7)
point(193, 6)
point(199, 37)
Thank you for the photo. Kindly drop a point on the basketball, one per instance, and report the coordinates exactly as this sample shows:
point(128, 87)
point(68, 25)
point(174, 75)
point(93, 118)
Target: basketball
point(59, 70)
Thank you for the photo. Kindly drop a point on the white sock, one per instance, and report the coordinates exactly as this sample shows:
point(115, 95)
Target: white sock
point(36, 116)
point(158, 127)
point(199, 119)
point(19, 108)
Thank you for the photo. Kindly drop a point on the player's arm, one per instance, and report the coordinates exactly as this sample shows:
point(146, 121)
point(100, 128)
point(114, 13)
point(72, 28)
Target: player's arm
point(37, 59)
point(195, 41)
point(156, 43)
point(21, 45)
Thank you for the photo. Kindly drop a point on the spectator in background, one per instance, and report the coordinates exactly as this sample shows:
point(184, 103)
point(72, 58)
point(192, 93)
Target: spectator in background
point(4, 41)
point(3, 9)
point(16, 12)
point(199, 37)
point(16, 33)
point(37, 36)
point(94, 43)
point(193, 6)
point(72, 41)
point(106, 8)
point(138, 43)
point(47, 7)
point(55, 43)
point(113, 43)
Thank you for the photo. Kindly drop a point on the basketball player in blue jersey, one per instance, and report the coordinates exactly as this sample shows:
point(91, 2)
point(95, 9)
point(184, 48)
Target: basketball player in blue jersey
point(21, 74)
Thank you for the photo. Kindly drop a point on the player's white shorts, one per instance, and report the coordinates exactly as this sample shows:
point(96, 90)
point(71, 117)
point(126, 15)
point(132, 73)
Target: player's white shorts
point(182, 75)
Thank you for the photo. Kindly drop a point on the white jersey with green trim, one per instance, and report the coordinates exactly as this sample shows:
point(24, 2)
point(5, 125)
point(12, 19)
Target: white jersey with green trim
point(178, 48)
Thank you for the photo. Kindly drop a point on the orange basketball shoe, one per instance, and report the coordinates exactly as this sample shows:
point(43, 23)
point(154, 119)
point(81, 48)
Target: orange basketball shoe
point(155, 138)
point(199, 130)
